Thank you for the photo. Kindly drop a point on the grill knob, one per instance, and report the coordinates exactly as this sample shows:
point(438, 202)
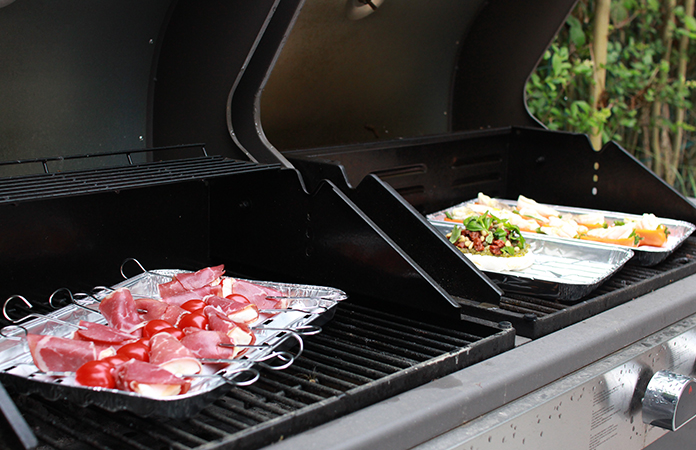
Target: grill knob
point(670, 400)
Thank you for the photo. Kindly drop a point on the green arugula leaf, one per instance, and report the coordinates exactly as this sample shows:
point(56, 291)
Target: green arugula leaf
point(456, 232)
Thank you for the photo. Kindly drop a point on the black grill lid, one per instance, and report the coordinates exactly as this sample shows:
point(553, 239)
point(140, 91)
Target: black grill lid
point(412, 69)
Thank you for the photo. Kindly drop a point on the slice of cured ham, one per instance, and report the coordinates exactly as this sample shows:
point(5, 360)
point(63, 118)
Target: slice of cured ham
point(236, 311)
point(119, 310)
point(150, 309)
point(238, 333)
point(258, 295)
point(197, 294)
point(184, 282)
point(206, 343)
point(203, 277)
point(170, 354)
point(58, 354)
point(148, 379)
point(102, 334)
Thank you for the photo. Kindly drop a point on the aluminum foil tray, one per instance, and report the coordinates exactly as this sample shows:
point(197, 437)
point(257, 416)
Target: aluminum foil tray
point(564, 269)
point(643, 256)
point(17, 369)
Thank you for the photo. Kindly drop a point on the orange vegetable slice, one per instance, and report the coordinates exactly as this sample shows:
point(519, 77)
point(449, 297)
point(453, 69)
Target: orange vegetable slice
point(628, 242)
point(656, 238)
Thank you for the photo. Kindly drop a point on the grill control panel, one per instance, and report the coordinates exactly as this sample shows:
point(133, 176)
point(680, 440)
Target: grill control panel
point(627, 400)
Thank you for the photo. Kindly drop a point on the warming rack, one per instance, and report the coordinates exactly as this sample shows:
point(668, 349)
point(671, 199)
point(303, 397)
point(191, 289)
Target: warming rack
point(50, 184)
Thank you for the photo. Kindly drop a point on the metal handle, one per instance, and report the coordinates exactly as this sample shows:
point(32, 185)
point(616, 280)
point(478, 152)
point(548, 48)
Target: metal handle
point(670, 400)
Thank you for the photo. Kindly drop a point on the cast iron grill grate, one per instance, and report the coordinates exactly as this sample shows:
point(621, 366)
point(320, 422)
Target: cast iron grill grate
point(361, 356)
point(533, 317)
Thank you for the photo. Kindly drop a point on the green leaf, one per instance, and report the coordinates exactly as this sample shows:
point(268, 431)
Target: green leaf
point(456, 232)
point(508, 250)
point(619, 13)
point(575, 31)
point(690, 23)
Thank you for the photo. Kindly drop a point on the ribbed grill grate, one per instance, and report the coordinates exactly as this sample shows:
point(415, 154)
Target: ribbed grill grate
point(345, 366)
point(534, 318)
point(117, 178)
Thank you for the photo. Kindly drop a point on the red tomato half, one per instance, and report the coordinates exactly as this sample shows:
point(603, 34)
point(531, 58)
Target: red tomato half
point(198, 320)
point(96, 374)
point(135, 350)
point(116, 360)
point(174, 331)
point(193, 305)
point(155, 326)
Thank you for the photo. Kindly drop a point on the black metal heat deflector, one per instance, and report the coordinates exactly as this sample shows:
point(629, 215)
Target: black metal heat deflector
point(75, 229)
point(362, 356)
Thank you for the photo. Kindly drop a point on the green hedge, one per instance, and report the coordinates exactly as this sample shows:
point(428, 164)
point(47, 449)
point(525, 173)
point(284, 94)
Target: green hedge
point(647, 103)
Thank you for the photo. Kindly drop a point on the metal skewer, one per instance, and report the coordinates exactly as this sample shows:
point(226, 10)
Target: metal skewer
point(34, 315)
point(304, 330)
point(3, 330)
point(71, 298)
point(133, 260)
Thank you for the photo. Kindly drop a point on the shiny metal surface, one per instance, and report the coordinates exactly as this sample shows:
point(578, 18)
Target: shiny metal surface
point(644, 256)
point(563, 269)
point(598, 407)
point(670, 400)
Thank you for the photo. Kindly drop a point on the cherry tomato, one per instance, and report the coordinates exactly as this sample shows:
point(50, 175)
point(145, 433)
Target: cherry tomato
point(135, 350)
point(116, 360)
point(96, 374)
point(198, 320)
point(155, 326)
point(178, 333)
point(194, 305)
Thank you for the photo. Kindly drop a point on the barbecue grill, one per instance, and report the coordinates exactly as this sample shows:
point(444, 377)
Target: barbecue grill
point(305, 141)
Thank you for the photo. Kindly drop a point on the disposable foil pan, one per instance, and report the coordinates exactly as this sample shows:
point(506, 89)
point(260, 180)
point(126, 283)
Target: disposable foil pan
point(643, 256)
point(564, 270)
point(314, 304)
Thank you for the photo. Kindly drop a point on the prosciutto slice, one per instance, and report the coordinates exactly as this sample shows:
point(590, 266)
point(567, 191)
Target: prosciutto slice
point(197, 294)
point(58, 354)
point(236, 311)
point(119, 310)
point(158, 310)
point(184, 282)
point(204, 277)
point(150, 309)
point(238, 333)
point(102, 334)
point(258, 295)
point(170, 354)
point(206, 343)
point(148, 379)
